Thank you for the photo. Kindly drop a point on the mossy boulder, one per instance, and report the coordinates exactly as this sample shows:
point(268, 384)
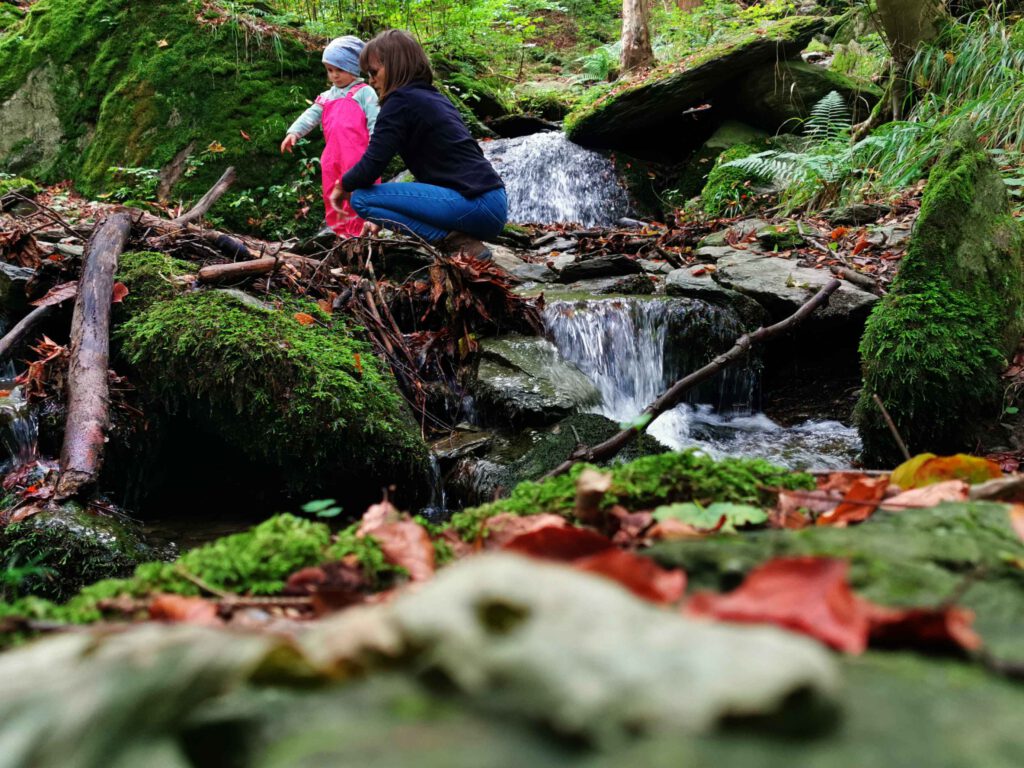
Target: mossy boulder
point(311, 402)
point(62, 548)
point(88, 85)
point(730, 190)
point(646, 117)
point(934, 346)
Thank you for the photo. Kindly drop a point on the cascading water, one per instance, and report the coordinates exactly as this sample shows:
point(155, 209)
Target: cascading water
point(632, 350)
point(19, 431)
point(549, 179)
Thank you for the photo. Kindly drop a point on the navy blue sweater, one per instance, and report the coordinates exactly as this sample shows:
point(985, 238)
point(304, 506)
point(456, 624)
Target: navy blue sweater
point(417, 122)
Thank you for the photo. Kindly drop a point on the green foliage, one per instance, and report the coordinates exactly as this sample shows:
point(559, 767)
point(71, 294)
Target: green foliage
point(678, 32)
point(729, 189)
point(600, 65)
point(149, 277)
point(647, 482)
point(322, 508)
point(10, 183)
point(722, 516)
point(313, 400)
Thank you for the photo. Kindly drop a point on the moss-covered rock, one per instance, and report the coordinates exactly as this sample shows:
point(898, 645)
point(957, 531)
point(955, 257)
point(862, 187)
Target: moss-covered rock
point(312, 402)
point(150, 276)
point(61, 549)
point(90, 85)
point(913, 558)
point(20, 185)
point(933, 347)
point(730, 190)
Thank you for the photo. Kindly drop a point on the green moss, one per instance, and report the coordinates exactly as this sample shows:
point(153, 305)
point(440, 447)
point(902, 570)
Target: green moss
point(314, 401)
point(645, 483)
point(933, 348)
point(17, 184)
point(68, 547)
point(149, 277)
point(728, 190)
point(125, 98)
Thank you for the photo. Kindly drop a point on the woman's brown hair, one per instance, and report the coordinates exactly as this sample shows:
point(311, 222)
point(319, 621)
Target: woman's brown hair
point(403, 59)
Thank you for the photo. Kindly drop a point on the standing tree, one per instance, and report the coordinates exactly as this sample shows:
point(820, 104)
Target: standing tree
point(636, 36)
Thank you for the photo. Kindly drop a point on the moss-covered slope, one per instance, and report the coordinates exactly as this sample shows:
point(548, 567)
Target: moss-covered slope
point(933, 347)
point(90, 84)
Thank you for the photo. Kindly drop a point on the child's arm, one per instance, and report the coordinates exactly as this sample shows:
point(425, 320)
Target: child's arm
point(367, 99)
point(306, 122)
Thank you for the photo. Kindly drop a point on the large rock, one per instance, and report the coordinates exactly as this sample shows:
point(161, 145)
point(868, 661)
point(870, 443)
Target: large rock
point(782, 287)
point(934, 347)
point(581, 652)
point(522, 380)
point(645, 117)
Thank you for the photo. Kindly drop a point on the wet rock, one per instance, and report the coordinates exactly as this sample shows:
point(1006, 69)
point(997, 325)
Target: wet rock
point(13, 281)
point(782, 287)
point(655, 267)
point(68, 546)
point(634, 285)
point(737, 232)
point(514, 126)
point(682, 282)
point(610, 265)
point(522, 380)
point(461, 443)
point(713, 253)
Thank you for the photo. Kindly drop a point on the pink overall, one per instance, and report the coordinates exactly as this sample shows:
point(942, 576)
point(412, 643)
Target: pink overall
point(344, 124)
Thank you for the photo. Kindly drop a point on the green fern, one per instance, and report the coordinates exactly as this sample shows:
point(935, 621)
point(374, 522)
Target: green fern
point(829, 120)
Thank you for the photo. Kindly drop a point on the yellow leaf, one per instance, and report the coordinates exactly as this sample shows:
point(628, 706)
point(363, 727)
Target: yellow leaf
point(950, 58)
point(927, 468)
point(304, 319)
point(162, 43)
point(215, 146)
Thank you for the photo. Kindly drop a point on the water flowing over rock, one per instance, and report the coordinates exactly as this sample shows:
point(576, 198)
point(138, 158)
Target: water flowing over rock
point(549, 179)
point(633, 350)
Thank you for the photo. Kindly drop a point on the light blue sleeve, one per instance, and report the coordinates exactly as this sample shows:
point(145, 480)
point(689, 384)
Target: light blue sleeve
point(367, 99)
point(307, 121)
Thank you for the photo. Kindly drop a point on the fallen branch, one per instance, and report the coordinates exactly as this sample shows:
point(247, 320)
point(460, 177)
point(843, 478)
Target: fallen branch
point(674, 395)
point(206, 201)
point(88, 396)
point(225, 273)
point(20, 332)
point(859, 279)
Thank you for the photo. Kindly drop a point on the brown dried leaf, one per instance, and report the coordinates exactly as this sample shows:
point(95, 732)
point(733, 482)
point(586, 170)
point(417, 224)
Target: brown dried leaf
point(408, 545)
point(193, 610)
point(57, 294)
point(929, 496)
point(503, 528)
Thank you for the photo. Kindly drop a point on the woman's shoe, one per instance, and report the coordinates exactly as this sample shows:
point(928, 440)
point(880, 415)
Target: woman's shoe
point(460, 242)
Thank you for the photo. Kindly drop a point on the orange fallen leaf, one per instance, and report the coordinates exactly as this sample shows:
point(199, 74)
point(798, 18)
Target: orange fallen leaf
point(303, 319)
point(407, 544)
point(245, 135)
point(559, 542)
point(859, 503)
point(1017, 519)
point(192, 610)
point(927, 468)
point(503, 528)
point(640, 575)
point(937, 630)
point(862, 243)
point(118, 294)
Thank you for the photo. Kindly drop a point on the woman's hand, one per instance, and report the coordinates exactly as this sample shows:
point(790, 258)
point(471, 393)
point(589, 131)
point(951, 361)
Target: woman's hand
point(370, 229)
point(289, 142)
point(339, 197)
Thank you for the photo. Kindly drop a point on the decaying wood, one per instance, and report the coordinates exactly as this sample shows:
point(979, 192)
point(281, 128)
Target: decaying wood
point(859, 279)
point(225, 273)
point(674, 394)
point(206, 201)
point(88, 396)
point(20, 332)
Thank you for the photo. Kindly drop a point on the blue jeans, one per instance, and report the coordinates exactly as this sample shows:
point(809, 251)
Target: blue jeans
point(430, 211)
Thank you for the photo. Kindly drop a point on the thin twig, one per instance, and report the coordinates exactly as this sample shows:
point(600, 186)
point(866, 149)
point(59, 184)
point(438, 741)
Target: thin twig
point(892, 426)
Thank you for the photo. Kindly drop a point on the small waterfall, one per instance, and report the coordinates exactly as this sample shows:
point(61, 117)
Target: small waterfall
point(632, 350)
point(19, 431)
point(551, 180)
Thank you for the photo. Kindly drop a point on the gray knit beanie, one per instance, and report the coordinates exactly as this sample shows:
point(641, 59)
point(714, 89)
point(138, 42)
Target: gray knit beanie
point(343, 53)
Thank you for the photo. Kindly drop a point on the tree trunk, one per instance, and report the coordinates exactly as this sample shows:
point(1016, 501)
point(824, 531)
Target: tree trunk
point(905, 24)
point(88, 398)
point(636, 36)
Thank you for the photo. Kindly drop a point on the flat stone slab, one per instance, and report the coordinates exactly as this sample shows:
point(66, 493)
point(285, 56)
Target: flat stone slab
point(612, 265)
point(781, 286)
point(519, 268)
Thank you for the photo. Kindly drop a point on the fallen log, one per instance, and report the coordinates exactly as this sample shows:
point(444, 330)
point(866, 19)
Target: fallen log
point(25, 326)
point(88, 395)
point(674, 394)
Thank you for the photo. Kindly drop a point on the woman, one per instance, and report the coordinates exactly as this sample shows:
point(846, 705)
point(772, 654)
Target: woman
point(457, 199)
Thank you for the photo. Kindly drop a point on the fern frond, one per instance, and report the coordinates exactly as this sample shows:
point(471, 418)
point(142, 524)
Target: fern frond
point(829, 120)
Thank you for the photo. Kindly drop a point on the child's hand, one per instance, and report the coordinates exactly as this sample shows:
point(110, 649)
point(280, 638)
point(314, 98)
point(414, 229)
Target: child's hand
point(289, 142)
point(370, 229)
point(338, 197)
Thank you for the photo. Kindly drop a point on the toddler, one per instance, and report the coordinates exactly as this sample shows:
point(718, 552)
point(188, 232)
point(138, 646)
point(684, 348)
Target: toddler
point(347, 112)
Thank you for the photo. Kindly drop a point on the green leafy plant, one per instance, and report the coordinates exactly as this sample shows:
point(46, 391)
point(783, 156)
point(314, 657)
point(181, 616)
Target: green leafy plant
point(322, 508)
